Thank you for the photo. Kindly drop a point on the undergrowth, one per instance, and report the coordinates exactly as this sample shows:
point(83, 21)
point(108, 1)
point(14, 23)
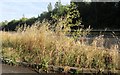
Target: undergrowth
point(38, 44)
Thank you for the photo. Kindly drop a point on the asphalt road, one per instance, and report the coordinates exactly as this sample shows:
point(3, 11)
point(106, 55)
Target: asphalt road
point(15, 69)
point(5, 68)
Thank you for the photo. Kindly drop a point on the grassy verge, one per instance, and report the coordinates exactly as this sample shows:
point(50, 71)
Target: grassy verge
point(39, 45)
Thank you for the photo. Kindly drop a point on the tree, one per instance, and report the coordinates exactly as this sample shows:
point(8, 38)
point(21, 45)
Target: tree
point(4, 23)
point(58, 4)
point(23, 19)
point(45, 16)
point(73, 19)
point(49, 7)
point(11, 25)
point(73, 16)
point(59, 12)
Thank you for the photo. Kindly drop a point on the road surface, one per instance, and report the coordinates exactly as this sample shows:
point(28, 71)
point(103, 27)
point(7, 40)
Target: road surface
point(4, 68)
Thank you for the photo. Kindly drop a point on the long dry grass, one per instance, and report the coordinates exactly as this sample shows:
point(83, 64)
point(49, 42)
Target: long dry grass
point(38, 44)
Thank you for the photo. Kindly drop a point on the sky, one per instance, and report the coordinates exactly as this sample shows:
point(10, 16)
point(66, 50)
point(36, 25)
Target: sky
point(15, 9)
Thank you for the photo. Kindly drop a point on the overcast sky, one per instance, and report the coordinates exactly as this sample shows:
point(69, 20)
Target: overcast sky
point(14, 9)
